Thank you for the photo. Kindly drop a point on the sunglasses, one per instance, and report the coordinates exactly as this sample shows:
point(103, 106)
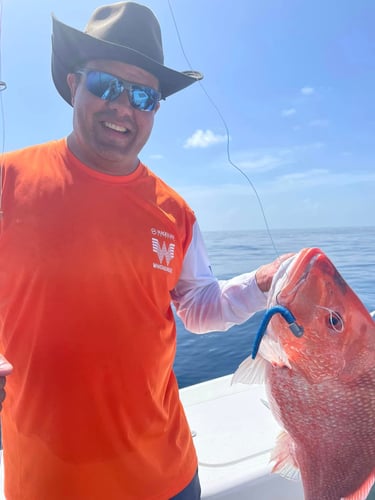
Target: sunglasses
point(109, 87)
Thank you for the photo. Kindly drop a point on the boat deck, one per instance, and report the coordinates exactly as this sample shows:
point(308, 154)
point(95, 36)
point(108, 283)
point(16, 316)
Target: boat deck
point(234, 433)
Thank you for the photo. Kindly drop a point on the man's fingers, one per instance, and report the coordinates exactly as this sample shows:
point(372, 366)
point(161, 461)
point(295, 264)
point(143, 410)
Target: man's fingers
point(5, 367)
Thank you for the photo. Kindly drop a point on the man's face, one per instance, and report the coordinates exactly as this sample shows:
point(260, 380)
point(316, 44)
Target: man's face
point(108, 135)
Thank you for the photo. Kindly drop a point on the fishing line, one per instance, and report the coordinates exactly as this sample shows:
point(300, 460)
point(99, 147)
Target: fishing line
point(229, 159)
point(335, 321)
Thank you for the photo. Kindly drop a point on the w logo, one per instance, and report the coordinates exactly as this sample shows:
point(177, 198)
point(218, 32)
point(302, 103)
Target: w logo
point(162, 251)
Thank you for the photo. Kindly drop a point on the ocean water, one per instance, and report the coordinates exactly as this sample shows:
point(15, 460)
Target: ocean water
point(352, 250)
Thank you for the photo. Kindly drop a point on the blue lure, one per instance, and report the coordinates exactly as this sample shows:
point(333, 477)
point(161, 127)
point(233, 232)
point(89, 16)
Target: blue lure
point(296, 329)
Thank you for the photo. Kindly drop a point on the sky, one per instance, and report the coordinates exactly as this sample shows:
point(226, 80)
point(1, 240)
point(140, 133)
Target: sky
point(280, 132)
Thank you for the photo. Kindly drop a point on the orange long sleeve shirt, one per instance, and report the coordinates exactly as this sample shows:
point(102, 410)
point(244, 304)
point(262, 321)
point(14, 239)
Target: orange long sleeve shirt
point(87, 264)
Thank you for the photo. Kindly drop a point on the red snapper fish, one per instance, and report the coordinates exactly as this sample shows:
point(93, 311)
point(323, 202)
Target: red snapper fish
point(320, 386)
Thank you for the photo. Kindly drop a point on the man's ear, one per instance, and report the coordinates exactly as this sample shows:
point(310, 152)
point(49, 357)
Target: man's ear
point(72, 81)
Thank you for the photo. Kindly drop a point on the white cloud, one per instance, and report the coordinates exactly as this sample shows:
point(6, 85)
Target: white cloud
point(316, 175)
point(307, 90)
point(263, 162)
point(320, 177)
point(289, 112)
point(204, 139)
point(298, 199)
point(319, 123)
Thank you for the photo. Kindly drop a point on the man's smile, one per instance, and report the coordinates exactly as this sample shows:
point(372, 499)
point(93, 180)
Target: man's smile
point(115, 127)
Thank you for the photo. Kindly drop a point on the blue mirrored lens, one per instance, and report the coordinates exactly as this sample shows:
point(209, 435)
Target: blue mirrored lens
point(143, 98)
point(103, 85)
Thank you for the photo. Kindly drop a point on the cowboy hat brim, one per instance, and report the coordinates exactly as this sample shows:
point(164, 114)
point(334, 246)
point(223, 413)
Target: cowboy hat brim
point(71, 47)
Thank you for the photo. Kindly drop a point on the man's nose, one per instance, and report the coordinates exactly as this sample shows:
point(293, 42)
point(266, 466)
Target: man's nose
point(121, 103)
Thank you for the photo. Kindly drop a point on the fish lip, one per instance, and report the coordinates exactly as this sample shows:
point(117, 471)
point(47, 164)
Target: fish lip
point(306, 259)
point(297, 272)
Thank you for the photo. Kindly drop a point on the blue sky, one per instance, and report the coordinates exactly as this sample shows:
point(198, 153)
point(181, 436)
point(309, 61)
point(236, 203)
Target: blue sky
point(293, 79)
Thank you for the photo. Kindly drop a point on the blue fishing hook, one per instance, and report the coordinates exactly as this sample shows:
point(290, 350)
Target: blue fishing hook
point(296, 329)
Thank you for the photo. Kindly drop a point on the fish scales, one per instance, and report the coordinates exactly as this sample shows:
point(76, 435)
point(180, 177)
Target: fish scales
point(320, 419)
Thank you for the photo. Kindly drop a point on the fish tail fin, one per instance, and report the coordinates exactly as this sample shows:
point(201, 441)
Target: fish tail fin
point(364, 490)
point(284, 457)
point(250, 371)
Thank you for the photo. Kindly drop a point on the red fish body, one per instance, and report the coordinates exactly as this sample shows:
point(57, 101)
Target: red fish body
point(321, 386)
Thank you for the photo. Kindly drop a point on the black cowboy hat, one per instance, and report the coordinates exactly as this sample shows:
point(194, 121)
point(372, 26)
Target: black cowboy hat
point(123, 31)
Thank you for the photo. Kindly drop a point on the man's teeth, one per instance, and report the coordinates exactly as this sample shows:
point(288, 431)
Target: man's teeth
point(115, 127)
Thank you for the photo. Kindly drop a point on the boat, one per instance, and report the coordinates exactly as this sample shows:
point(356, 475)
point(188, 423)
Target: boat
point(234, 433)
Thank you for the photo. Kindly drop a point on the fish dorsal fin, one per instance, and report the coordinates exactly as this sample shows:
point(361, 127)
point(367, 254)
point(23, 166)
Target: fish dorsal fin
point(284, 457)
point(364, 490)
point(250, 371)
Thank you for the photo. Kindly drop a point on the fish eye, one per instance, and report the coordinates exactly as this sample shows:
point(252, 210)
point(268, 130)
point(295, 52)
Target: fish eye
point(335, 321)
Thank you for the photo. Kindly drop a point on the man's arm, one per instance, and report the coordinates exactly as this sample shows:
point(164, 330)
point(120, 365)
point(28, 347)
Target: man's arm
point(205, 303)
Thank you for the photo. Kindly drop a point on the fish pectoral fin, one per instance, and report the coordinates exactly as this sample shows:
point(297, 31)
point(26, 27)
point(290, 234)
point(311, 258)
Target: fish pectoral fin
point(250, 371)
point(364, 490)
point(284, 457)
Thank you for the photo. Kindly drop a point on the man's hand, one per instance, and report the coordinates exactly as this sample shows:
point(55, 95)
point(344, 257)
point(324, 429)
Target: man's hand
point(5, 369)
point(265, 273)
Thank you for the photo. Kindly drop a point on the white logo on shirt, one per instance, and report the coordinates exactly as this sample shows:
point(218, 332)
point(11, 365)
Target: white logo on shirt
point(161, 233)
point(164, 253)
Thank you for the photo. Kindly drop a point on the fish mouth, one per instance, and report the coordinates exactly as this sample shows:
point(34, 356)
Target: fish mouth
point(305, 260)
point(296, 274)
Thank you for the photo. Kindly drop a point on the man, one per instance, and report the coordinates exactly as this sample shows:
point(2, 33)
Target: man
point(93, 249)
